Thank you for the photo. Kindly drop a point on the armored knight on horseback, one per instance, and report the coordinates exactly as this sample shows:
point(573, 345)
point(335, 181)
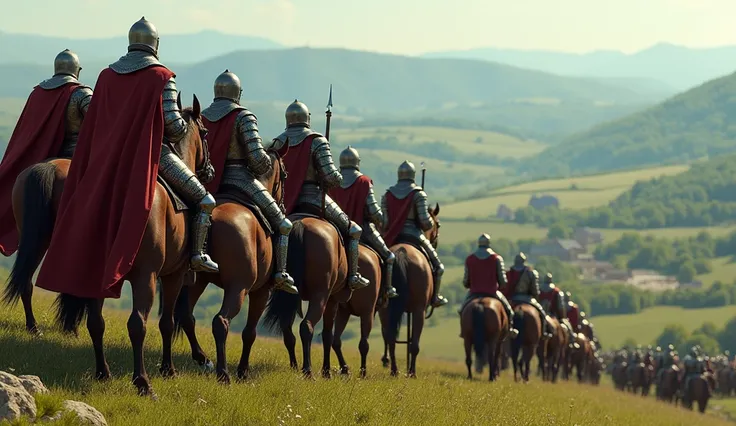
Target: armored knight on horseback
point(238, 154)
point(524, 283)
point(694, 366)
point(411, 214)
point(356, 197)
point(311, 175)
point(573, 313)
point(47, 128)
point(549, 291)
point(484, 276)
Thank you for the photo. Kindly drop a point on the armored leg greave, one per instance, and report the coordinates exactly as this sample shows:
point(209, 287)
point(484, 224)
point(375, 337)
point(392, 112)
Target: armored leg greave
point(437, 299)
point(186, 184)
point(374, 239)
point(509, 311)
point(546, 325)
point(238, 176)
point(335, 215)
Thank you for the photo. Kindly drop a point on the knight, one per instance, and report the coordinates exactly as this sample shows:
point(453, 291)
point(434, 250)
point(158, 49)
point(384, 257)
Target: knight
point(406, 213)
point(312, 173)
point(551, 292)
point(484, 276)
point(693, 367)
point(525, 284)
point(47, 128)
point(130, 136)
point(356, 198)
point(240, 161)
point(573, 313)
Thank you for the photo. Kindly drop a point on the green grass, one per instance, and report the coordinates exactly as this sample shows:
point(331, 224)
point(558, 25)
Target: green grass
point(646, 326)
point(724, 270)
point(277, 395)
point(592, 191)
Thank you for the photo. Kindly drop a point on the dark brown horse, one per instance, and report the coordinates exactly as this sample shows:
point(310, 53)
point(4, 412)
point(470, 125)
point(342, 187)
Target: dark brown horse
point(527, 321)
point(414, 282)
point(363, 305)
point(164, 253)
point(484, 326)
point(668, 384)
point(318, 264)
point(619, 376)
point(36, 196)
point(244, 251)
point(699, 389)
point(555, 352)
point(580, 356)
point(641, 378)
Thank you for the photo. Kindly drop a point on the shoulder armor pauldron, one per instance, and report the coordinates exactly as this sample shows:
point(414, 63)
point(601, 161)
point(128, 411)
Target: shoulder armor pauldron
point(295, 135)
point(135, 61)
point(403, 188)
point(220, 108)
point(57, 81)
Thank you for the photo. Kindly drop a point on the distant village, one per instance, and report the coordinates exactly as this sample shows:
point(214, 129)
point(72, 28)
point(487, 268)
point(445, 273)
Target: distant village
point(578, 252)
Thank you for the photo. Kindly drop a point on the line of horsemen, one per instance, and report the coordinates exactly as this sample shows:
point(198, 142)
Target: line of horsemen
point(247, 160)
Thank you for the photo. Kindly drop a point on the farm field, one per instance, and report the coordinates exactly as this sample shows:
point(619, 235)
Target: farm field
point(277, 395)
point(724, 270)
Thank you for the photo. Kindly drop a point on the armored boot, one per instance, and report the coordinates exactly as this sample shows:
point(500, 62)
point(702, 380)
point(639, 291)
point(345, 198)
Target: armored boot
point(355, 280)
point(282, 280)
point(374, 240)
point(186, 184)
point(548, 330)
point(509, 312)
point(388, 281)
point(439, 269)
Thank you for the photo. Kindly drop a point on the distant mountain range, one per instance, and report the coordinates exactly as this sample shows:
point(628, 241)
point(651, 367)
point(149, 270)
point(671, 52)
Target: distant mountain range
point(674, 66)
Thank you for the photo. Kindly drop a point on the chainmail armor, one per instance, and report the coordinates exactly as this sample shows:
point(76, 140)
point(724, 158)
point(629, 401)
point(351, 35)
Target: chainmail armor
point(135, 60)
point(57, 81)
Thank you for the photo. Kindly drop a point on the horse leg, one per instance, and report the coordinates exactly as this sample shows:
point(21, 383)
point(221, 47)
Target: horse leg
point(231, 304)
point(188, 322)
point(256, 306)
point(306, 332)
point(468, 343)
point(170, 288)
point(416, 332)
point(328, 326)
point(492, 356)
point(144, 291)
point(366, 325)
point(341, 321)
point(96, 328)
point(383, 317)
point(290, 343)
point(527, 355)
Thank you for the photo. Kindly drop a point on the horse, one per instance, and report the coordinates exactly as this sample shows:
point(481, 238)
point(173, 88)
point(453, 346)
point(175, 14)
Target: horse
point(484, 326)
point(244, 252)
point(619, 376)
point(668, 383)
point(580, 356)
point(36, 196)
point(363, 305)
point(699, 389)
point(641, 378)
point(318, 264)
point(164, 254)
point(527, 321)
point(552, 356)
point(595, 367)
point(414, 282)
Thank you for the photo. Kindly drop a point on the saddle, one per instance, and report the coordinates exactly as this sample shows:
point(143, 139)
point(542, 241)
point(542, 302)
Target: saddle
point(417, 244)
point(176, 200)
point(303, 211)
point(228, 193)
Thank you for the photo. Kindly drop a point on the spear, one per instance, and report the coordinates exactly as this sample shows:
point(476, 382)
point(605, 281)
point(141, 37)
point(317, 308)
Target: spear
point(424, 172)
point(328, 113)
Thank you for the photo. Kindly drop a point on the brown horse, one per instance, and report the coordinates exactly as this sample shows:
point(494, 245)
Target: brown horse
point(619, 376)
point(668, 384)
point(318, 264)
point(527, 321)
point(555, 352)
point(164, 253)
point(699, 389)
point(580, 356)
point(414, 282)
point(244, 251)
point(36, 197)
point(363, 305)
point(484, 326)
point(641, 378)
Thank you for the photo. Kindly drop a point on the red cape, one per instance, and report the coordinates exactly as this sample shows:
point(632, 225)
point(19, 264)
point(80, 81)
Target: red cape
point(398, 211)
point(512, 278)
point(296, 161)
point(352, 199)
point(572, 316)
point(482, 274)
point(110, 188)
point(38, 136)
point(219, 134)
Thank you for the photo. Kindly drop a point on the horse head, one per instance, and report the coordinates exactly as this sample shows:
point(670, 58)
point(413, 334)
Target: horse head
point(433, 235)
point(193, 147)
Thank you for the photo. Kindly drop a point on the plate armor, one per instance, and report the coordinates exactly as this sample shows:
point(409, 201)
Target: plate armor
point(373, 216)
point(143, 53)
point(417, 221)
point(246, 162)
point(548, 285)
point(66, 70)
point(321, 176)
point(484, 251)
point(527, 291)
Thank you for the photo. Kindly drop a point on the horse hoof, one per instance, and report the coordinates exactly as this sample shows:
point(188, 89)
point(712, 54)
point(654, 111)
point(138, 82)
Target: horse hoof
point(363, 373)
point(345, 371)
point(223, 378)
point(243, 375)
point(326, 373)
point(394, 373)
point(33, 330)
point(207, 366)
point(307, 375)
point(168, 372)
point(104, 375)
point(384, 361)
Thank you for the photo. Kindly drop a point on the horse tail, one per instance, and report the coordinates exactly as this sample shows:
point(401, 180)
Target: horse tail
point(518, 321)
point(38, 223)
point(181, 310)
point(479, 335)
point(282, 306)
point(71, 311)
point(397, 305)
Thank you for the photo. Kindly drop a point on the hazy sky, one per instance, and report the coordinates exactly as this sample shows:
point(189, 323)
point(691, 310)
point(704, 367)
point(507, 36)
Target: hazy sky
point(398, 26)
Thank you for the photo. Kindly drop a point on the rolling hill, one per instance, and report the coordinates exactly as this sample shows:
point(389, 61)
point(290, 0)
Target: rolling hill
point(664, 67)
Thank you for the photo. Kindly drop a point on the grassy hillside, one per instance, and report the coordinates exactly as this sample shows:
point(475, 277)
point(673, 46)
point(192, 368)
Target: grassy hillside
point(647, 325)
point(687, 127)
point(573, 193)
point(277, 395)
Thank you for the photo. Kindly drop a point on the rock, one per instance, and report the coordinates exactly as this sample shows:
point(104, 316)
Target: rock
point(10, 379)
point(33, 384)
point(85, 413)
point(15, 402)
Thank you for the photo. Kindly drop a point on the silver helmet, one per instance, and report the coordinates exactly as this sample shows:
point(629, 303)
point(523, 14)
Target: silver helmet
point(143, 36)
point(349, 158)
point(484, 241)
point(297, 114)
point(67, 63)
point(227, 86)
point(407, 171)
